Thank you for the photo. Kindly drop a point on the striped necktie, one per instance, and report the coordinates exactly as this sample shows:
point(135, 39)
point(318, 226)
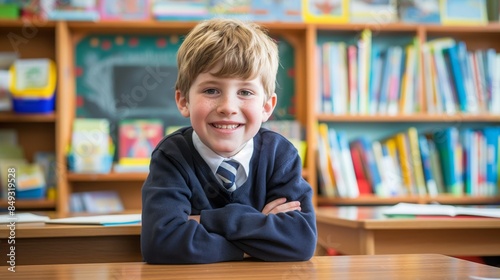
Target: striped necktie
point(227, 173)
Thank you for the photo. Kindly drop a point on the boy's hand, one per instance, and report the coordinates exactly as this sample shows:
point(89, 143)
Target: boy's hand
point(194, 217)
point(280, 206)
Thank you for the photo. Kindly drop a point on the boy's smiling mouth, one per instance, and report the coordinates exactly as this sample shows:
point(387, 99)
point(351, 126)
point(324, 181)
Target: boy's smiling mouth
point(226, 126)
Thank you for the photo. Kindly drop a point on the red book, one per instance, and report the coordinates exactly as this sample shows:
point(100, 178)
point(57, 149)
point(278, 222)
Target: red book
point(363, 183)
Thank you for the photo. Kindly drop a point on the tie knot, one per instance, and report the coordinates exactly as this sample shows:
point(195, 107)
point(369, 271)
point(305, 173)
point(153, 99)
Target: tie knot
point(227, 173)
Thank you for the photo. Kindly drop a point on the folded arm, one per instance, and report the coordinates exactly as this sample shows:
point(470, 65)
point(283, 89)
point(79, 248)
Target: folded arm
point(280, 231)
point(168, 235)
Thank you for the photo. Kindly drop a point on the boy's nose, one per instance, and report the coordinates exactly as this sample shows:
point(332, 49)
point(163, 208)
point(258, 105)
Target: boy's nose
point(227, 104)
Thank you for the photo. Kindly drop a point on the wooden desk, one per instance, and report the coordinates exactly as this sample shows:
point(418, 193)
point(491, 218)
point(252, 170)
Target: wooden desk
point(339, 267)
point(39, 243)
point(365, 230)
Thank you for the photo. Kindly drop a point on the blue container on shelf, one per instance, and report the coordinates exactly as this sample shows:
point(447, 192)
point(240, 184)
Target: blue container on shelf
point(33, 105)
point(37, 193)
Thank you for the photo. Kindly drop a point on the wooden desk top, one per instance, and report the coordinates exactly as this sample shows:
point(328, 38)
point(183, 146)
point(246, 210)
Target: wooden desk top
point(371, 217)
point(338, 267)
point(36, 230)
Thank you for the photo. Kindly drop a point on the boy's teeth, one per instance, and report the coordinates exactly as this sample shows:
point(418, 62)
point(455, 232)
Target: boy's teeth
point(226, 126)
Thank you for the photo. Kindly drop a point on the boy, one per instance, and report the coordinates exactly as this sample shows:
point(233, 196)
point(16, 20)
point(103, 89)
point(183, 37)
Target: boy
point(191, 212)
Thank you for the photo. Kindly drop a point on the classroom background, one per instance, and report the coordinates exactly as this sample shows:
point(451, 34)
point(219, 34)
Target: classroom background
point(386, 101)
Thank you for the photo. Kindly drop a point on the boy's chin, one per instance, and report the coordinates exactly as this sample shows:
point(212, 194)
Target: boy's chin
point(227, 151)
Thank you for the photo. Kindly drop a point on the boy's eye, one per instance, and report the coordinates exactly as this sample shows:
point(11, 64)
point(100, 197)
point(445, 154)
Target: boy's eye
point(211, 91)
point(246, 93)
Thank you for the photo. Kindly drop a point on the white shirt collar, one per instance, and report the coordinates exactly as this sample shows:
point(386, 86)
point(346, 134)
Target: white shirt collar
point(214, 160)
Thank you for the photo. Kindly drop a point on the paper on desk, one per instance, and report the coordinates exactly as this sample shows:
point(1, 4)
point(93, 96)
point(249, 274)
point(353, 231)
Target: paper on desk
point(443, 210)
point(22, 218)
point(104, 220)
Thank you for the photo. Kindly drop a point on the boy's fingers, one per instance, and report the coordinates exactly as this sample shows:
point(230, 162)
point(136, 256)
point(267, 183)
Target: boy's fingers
point(289, 206)
point(273, 204)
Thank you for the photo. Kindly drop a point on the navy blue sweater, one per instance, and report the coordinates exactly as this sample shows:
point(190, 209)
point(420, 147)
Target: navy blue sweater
point(180, 184)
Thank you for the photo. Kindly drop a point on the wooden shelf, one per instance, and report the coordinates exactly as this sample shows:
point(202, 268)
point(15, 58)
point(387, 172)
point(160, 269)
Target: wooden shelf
point(35, 23)
point(161, 26)
point(374, 200)
point(27, 204)
point(15, 117)
point(425, 118)
point(115, 177)
point(451, 30)
point(411, 27)
point(187, 25)
point(397, 27)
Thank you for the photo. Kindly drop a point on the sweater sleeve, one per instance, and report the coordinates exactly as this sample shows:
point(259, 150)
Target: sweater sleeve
point(167, 235)
point(289, 236)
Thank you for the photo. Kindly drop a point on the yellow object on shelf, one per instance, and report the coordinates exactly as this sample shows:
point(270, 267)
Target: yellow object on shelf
point(33, 78)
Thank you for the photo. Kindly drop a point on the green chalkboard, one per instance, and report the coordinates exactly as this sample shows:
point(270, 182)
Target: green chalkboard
point(133, 76)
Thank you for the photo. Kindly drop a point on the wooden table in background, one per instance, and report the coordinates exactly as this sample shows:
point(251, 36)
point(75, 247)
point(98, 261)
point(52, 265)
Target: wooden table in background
point(339, 267)
point(40, 243)
point(365, 230)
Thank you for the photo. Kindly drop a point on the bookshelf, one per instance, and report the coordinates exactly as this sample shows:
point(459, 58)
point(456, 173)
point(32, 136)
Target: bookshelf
point(385, 125)
point(57, 40)
point(35, 132)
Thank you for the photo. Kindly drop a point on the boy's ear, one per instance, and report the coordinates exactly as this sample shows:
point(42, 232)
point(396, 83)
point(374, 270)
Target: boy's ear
point(269, 106)
point(182, 103)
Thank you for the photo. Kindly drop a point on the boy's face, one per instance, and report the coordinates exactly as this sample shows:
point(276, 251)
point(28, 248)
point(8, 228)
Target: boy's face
point(226, 112)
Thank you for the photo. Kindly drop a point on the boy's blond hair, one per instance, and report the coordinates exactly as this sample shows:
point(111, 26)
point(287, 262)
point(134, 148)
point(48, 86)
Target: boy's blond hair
point(243, 49)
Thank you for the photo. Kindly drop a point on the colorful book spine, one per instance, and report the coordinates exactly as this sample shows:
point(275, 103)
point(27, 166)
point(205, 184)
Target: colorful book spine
point(425, 155)
point(416, 161)
point(375, 80)
point(449, 148)
point(492, 135)
point(347, 167)
point(396, 59)
point(326, 68)
point(338, 164)
point(352, 62)
point(405, 162)
point(325, 162)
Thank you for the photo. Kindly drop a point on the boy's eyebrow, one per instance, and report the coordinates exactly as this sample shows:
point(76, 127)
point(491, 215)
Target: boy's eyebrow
point(209, 82)
point(217, 82)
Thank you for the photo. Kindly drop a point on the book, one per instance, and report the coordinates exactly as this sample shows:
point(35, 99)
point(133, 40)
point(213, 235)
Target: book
point(493, 8)
point(22, 218)
point(240, 9)
point(421, 11)
point(6, 60)
point(117, 10)
point(273, 11)
point(440, 210)
point(425, 156)
point(137, 139)
point(460, 12)
point(379, 11)
point(325, 165)
point(70, 10)
point(416, 161)
point(320, 11)
point(47, 161)
point(5, 164)
point(91, 146)
point(30, 182)
point(96, 202)
point(180, 10)
point(103, 220)
point(448, 146)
